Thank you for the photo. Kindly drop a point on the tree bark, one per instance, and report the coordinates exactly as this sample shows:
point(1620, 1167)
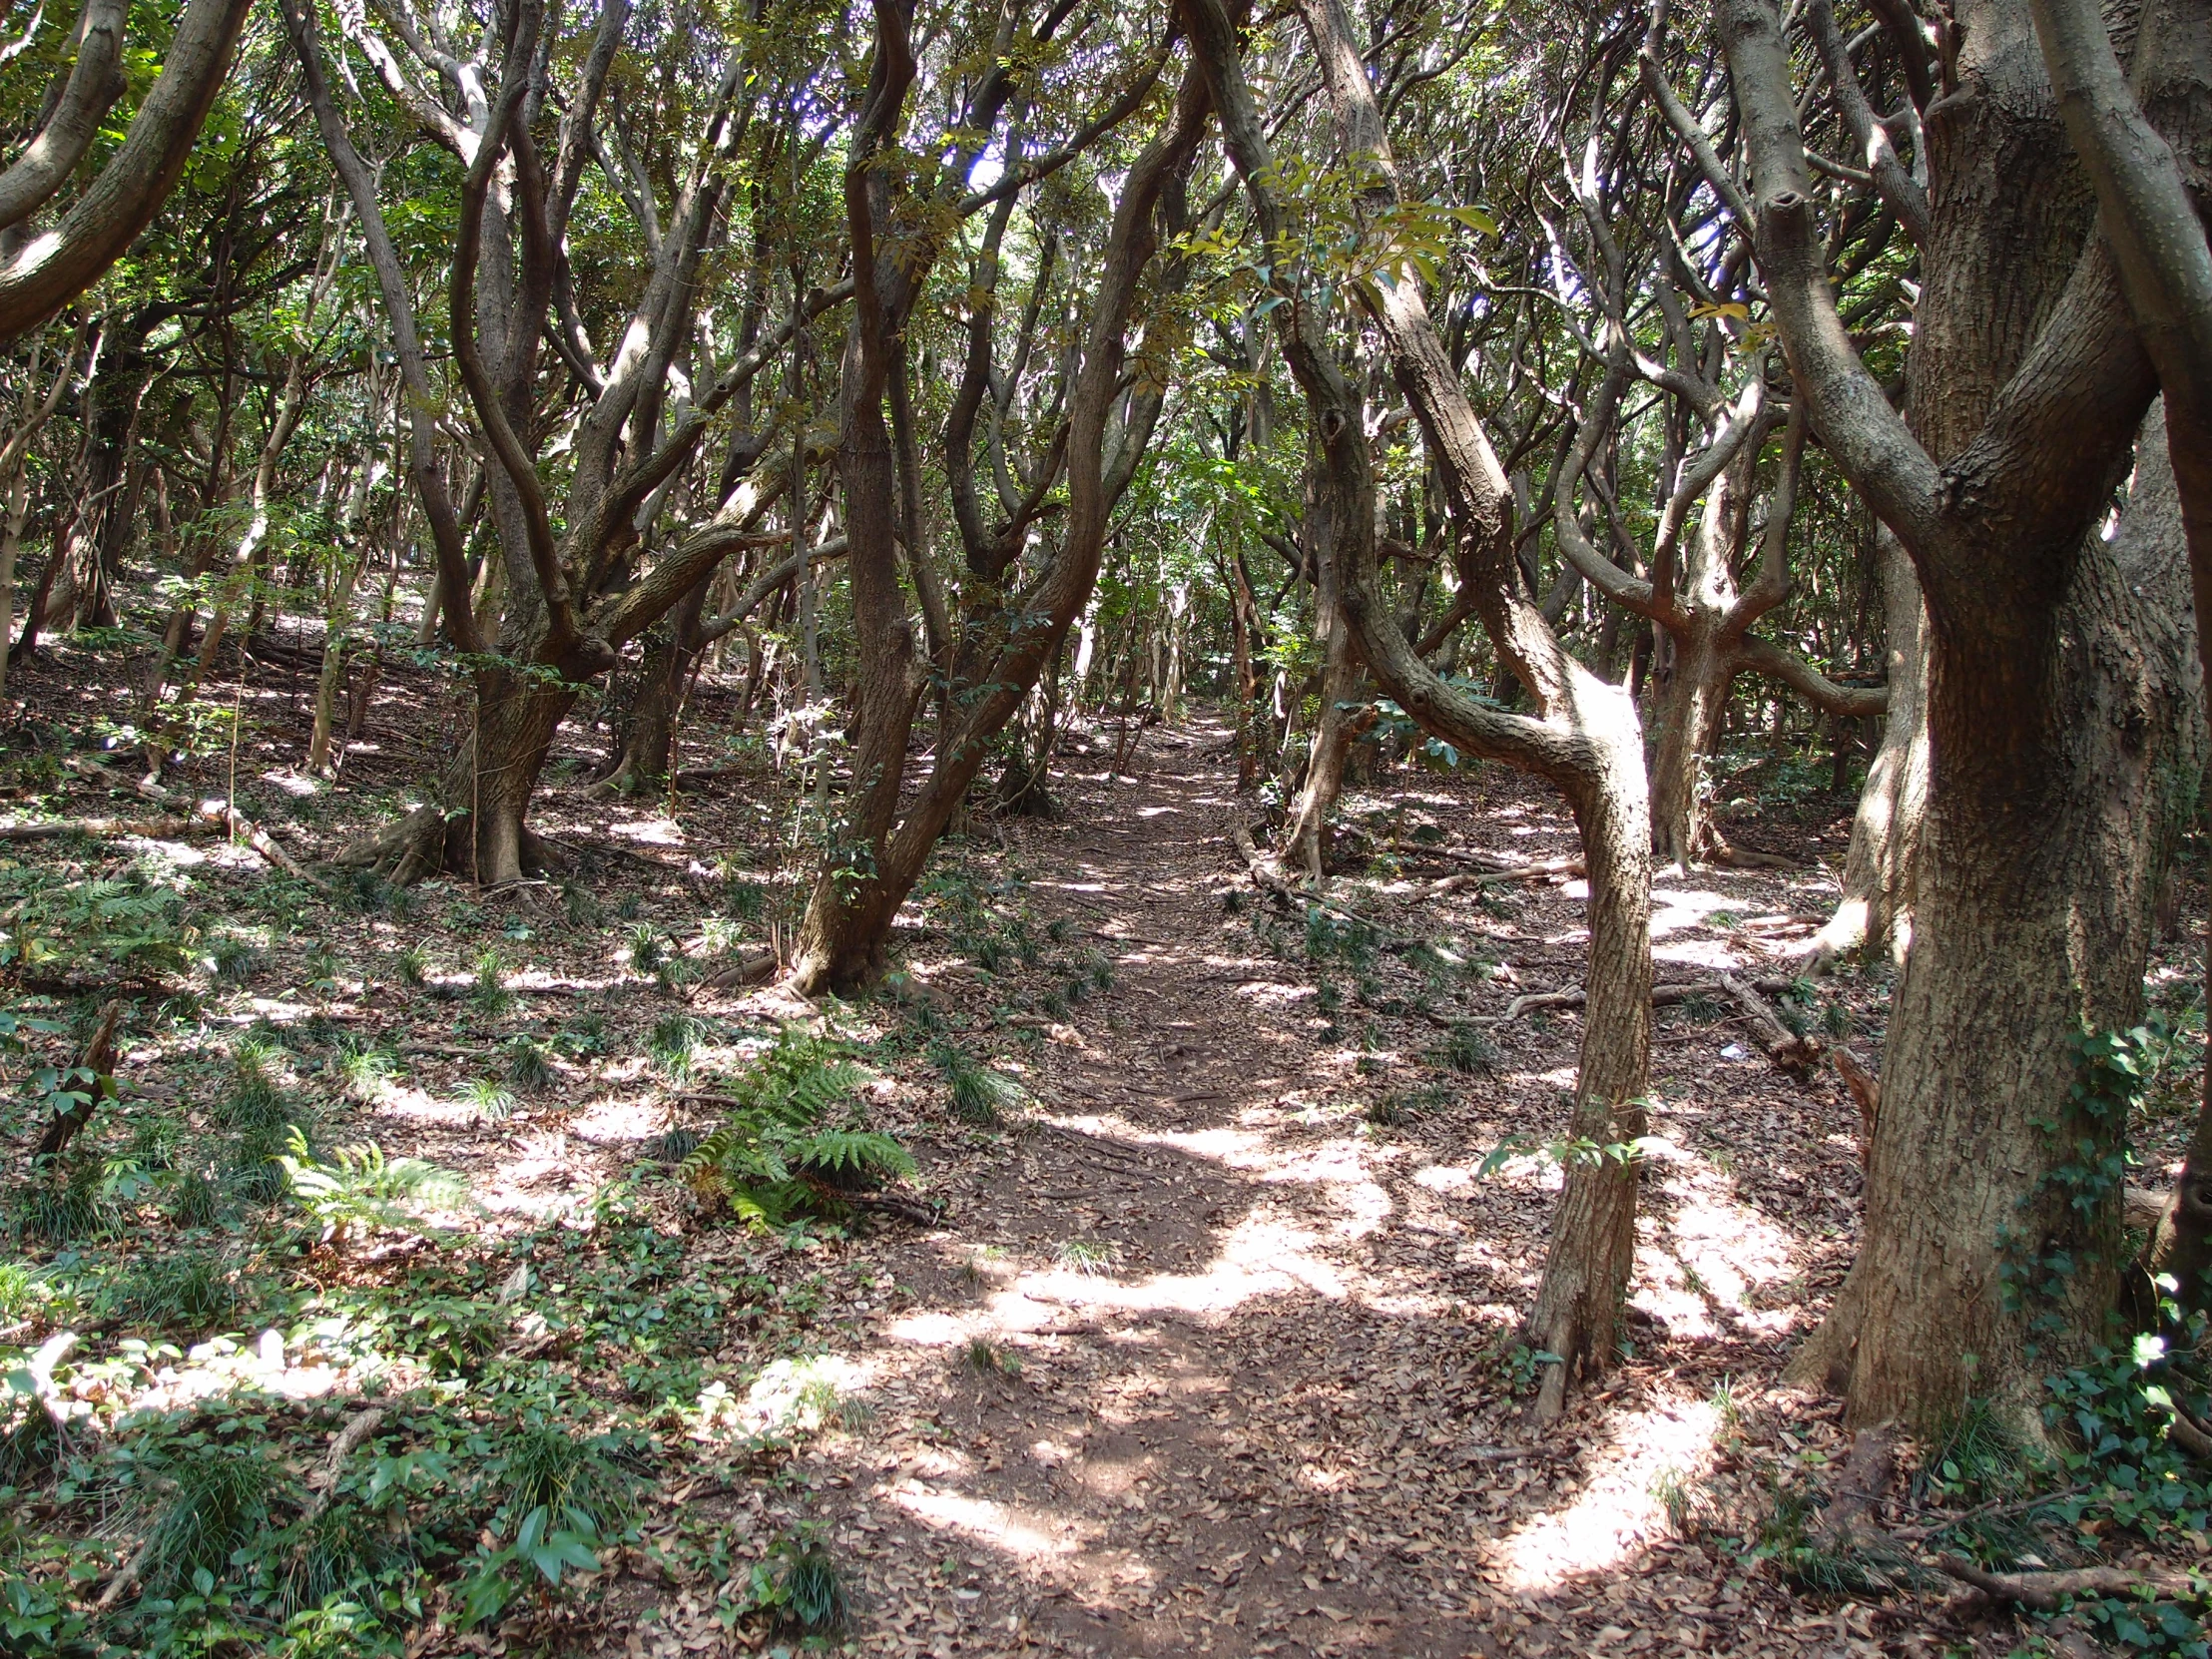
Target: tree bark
point(2061, 722)
point(49, 271)
point(1876, 906)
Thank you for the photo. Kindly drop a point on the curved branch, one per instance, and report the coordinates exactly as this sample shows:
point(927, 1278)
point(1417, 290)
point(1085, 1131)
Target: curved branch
point(505, 445)
point(1785, 665)
point(50, 270)
point(94, 84)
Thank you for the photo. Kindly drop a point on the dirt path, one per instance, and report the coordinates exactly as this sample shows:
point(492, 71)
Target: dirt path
point(1204, 1365)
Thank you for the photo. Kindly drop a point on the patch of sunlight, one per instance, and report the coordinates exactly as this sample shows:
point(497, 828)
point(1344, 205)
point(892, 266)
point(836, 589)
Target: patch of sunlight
point(788, 1394)
point(1001, 1526)
point(650, 832)
point(1156, 812)
point(1722, 1251)
point(293, 783)
point(1673, 911)
point(619, 1122)
point(1620, 1507)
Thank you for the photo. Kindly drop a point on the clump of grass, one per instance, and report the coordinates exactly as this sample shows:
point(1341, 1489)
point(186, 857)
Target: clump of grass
point(488, 1099)
point(810, 1592)
point(1700, 1009)
point(1467, 1050)
point(190, 1291)
point(490, 993)
point(978, 1094)
point(411, 966)
point(258, 1095)
point(1835, 1020)
point(193, 1200)
point(548, 1467)
point(1404, 1106)
point(646, 948)
point(323, 966)
point(528, 1065)
point(1086, 1257)
point(232, 960)
point(363, 1068)
point(674, 1045)
point(64, 1204)
point(221, 1502)
point(986, 1359)
point(675, 972)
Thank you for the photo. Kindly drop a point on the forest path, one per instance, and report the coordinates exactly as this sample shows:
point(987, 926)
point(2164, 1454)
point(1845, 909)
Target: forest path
point(1230, 1402)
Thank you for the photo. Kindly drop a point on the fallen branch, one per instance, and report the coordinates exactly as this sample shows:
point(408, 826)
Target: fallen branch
point(228, 817)
point(890, 1204)
point(1785, 1048)
point(357, 1428)
point(748, 969)
point(2044, 1591)
point(103, 829)
point(1661, 996)
point(1561, 868)
point(2191, 1436)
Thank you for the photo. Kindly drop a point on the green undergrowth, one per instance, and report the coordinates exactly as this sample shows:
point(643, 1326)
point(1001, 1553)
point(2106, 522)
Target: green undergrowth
point(517, 1417)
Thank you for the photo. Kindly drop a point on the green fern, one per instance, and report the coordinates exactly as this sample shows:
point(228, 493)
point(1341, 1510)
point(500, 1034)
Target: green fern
point(778, 1159)
point(364, 1189)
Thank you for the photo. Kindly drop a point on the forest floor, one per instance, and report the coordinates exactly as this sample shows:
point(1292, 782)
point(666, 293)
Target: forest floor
point(1208, 1343)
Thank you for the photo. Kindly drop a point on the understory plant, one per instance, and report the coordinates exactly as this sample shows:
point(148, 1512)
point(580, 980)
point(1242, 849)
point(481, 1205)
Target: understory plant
point(796, 1146)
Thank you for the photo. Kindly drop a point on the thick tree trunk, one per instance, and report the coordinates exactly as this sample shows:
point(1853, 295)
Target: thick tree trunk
point(1876, 907)
point(473, 827)
point(1988, 1258)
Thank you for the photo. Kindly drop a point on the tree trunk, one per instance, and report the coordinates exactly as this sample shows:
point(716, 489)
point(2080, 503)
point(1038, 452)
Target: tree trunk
point(1305, 850)
point(1876, 902)
point(644, 744)
point(473, 827)
point(1576, 1317)
point(1693, 700)
point(1989, 1257)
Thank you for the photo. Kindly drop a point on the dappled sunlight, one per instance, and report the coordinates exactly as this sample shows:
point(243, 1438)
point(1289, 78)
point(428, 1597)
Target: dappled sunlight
point(1637, 1456)
point(1001, 1526)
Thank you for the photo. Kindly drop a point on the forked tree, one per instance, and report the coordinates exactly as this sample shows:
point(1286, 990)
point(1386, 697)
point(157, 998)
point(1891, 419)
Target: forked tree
point(2063, 709)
